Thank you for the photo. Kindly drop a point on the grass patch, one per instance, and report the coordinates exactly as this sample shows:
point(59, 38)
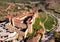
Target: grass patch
point(49, 23)
point(37, 25)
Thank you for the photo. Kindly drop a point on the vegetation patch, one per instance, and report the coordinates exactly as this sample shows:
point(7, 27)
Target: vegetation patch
point(49, 23)
point(36, 24)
